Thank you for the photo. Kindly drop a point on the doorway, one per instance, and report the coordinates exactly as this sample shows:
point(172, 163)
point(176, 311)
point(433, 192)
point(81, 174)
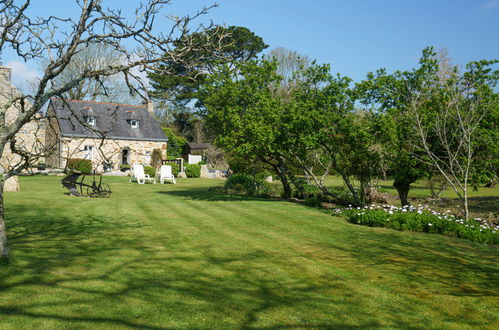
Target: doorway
point(125, 156)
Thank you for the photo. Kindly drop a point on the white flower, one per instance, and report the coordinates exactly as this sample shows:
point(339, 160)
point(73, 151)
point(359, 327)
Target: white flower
point(430, 224)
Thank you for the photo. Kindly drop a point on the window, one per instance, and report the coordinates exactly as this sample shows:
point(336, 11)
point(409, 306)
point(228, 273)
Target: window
point(134, 123)
point(88, 152)
point(147, 158)
point(90, 120)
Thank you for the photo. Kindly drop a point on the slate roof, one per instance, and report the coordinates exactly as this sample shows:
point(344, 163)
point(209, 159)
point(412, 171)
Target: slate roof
point(194, 145)
point(112, 120)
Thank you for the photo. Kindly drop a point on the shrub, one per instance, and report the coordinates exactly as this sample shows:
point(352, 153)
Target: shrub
point(340, 196)
point(423, 220)
point(313, 201)
point(193, 170)
point(124, 167)
point(156, 158)
point(176, 142)
point(247, 184)
point(149, 170)
point(175, 168)
point(239, 182)
point(79, 165)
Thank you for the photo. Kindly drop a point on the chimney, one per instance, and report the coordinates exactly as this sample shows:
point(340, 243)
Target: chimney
point(150, 107)
point(5, 73)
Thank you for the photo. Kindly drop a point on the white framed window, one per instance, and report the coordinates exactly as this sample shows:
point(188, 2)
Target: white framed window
point(90, 120)
point(88, 152)
point(147, 157)
point(134, 123)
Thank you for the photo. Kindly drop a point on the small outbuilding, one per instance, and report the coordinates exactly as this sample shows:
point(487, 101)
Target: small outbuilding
point(194, 152)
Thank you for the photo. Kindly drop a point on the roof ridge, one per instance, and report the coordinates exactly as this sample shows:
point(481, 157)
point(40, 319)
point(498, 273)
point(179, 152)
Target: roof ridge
point(96, 102)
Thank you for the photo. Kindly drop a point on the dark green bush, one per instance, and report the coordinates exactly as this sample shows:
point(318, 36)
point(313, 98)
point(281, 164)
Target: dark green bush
point(175, 168)
point(176, 142)
point(423, 221)
point(151, 171)
point(340, 196)
point(313, 201)
point(240, 182)
point(79, 165)
point(248, 184)
point(193, 170)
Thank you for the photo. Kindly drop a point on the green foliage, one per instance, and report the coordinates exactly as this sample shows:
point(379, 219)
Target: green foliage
point(248, 184)
point(176, 142)
point(420, 220)
point(238, 44)
point(79, 165)
point(156, 158)
point(192, 170)
point(249, 119)
point(340, 196)
point(175, 168)
point(124, 167)
point(313, 201)
point(150, 170)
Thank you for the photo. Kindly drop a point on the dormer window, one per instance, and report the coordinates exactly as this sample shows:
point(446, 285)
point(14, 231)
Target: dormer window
point(90, 120)
point(134, 123)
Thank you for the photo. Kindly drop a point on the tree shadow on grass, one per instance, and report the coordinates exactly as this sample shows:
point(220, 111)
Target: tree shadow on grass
point(207, 194)
point(47, 247)
point(95, 262)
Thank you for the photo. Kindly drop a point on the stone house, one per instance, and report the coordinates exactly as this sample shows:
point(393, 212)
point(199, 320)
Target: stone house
point(109, 134)
point(31, 137)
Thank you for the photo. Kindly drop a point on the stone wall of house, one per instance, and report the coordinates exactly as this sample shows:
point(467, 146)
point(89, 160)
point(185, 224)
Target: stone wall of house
point(139, 152)
point(31, 137)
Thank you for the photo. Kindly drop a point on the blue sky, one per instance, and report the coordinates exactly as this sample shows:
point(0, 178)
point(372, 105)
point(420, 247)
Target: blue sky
point(354, 36)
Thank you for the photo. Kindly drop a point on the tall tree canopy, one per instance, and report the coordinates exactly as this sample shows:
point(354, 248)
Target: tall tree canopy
point(226, 45)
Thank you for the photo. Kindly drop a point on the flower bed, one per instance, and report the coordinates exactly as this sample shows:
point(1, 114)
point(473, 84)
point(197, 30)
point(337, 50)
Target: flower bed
point(422, 219)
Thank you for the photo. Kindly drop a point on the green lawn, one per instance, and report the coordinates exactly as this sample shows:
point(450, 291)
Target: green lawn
point(181, 256)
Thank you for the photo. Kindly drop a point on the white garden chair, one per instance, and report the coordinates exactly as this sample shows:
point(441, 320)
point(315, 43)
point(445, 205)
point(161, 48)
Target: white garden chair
point(165, 174)
point(140, 176)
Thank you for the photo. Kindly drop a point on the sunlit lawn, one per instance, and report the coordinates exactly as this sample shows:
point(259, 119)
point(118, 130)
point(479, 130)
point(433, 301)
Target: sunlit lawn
point(182, 256)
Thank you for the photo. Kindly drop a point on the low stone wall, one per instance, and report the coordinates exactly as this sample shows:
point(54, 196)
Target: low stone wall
point(11, 184)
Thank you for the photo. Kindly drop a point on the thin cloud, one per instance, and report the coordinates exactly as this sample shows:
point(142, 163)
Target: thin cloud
point(22, 75)
point(490, 5)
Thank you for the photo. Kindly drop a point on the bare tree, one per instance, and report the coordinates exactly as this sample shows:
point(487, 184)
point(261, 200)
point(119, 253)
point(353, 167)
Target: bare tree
point(290, 66)
point(59, 40)
point(451, 121)
point(110, 88)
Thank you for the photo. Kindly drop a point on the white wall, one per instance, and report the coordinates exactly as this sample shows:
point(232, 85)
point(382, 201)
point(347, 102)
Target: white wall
point(194, 159)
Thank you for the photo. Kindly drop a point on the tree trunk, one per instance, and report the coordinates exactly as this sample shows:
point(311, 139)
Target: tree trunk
point(285, 185)
point(4, 248)
point(403, 191)
point(282, 171)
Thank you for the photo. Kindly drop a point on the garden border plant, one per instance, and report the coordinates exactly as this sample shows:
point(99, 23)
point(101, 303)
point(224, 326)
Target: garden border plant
point(422, 219)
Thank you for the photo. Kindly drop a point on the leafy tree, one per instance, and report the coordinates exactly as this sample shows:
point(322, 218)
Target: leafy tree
point(391, 97)
point(226, 45)
point(248, 118)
